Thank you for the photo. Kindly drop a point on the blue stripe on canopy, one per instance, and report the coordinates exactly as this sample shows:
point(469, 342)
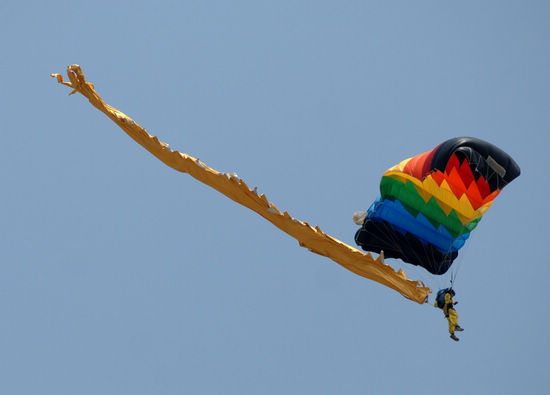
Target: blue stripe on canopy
point(397, 215)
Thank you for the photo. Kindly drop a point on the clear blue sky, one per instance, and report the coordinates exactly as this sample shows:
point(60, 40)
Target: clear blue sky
point(121, 276)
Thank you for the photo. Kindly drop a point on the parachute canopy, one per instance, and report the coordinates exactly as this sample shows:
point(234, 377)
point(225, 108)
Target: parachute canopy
point(430, 203)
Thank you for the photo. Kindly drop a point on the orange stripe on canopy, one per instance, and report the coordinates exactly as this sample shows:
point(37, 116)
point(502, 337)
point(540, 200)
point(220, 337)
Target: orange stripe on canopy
point(419, 166)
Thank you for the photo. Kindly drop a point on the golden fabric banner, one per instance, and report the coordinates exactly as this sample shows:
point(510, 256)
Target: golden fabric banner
point(234, 188)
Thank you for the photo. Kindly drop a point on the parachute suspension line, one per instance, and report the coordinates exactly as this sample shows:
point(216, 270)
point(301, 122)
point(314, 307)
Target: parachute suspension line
point(420, 272)
point(457, 264)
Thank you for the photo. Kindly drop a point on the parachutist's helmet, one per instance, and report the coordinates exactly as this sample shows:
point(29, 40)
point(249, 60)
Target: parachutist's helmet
point(452, 292)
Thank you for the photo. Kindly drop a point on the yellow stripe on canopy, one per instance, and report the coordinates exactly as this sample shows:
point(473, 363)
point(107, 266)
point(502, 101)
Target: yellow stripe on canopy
point(443, 194)
point(400, 166)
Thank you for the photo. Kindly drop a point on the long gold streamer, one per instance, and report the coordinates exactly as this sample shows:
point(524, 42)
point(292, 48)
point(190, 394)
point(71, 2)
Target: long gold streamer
point(234, 188)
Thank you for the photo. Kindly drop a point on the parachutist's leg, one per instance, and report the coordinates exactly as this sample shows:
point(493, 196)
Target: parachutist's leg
point(453, 321)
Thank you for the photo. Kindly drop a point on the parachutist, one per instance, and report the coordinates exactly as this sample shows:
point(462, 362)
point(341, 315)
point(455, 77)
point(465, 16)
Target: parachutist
point(444, 301)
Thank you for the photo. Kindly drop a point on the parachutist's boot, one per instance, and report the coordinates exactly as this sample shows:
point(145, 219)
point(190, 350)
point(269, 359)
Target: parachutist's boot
point(458, 328)
point(454, 337)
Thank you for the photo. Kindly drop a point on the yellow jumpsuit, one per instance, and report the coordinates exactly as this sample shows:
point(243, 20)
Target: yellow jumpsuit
point(450, 313)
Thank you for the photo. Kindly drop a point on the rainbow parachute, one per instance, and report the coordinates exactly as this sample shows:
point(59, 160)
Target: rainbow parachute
point(430, 203)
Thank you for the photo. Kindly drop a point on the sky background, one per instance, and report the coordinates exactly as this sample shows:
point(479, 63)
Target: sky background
point(121, 276)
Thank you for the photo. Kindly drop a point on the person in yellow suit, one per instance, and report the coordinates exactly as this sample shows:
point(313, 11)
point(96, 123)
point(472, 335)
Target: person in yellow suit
point(450, 313)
